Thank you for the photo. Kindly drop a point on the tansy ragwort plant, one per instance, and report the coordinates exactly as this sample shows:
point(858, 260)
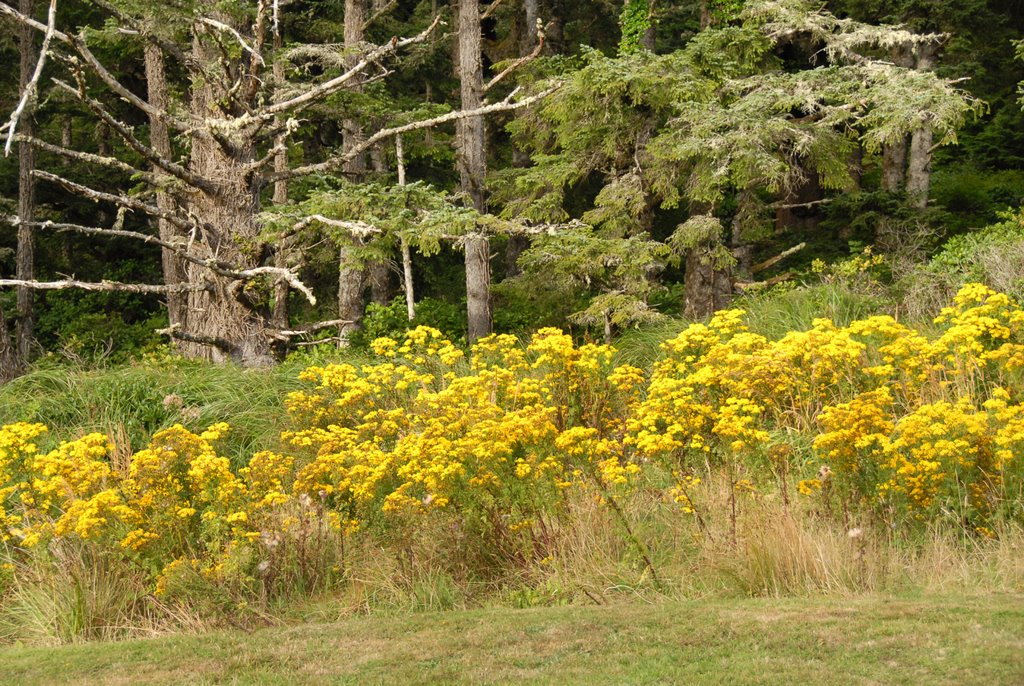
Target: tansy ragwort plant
point(491, 447)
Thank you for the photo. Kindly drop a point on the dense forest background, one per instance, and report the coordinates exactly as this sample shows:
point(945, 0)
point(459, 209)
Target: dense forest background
point(644, 160)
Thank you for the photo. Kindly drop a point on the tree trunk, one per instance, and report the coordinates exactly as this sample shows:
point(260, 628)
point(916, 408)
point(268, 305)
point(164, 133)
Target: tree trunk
point(160, 141)
point(222, 317)
point(705, 15)
point(378, 271)
point(894, 163)
point(894, 155)
point(919, 164)
point(518, 244)
point(473, 168)
point(351, 278)
point(279, 316)
point(649, 40)
point(706, 289)
point(10, 363)
point(407, 280)
point(25, 256)
point(798, 210)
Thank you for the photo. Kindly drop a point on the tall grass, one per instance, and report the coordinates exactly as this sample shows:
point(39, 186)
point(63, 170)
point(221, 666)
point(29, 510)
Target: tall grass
point(132, 402)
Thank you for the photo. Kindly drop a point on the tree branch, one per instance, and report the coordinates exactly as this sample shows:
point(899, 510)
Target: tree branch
point(379, 13)
point(120, 200)
point(490, 9)
point(356, 228)
point(212, 341)
point(103, 286)
point(521, 61)
point(312, 328)
point(143, 30)
point(28, 94)
point(87, 157)
point(221, 26)
point(506, 105)
point(771, 262)
point(282, 273)
point(218, 267)
point(135, 144)
point(105, 76)
point(338, 82)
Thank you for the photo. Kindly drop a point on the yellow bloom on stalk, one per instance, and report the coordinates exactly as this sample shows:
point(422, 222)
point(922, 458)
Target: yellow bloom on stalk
point(809, 486)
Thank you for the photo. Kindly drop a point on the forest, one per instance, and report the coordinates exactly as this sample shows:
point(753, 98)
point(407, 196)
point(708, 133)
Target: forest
point(411, 305)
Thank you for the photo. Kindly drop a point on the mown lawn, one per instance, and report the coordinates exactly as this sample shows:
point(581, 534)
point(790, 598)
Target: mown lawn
point(931, 640)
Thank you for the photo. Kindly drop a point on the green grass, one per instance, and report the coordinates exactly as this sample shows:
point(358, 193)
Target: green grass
point(131, 402)
point(866, 640)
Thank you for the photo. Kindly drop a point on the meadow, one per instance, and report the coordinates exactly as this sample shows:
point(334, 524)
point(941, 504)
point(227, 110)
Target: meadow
point(863, 459)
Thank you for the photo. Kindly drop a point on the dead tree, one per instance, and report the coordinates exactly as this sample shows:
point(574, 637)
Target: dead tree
point(237, 119)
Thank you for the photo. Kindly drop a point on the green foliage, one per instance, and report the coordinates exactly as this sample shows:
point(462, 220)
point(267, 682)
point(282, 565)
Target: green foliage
point(969, 257)
point(1020, 56)
point(132, 401)
point(392, 320)
point(635, 21)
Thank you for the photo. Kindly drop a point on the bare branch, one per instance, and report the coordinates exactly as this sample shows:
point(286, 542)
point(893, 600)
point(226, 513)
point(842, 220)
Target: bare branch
point(86, 157)
point(218, 267)
point(793, 206)
point(338, 82)
point(506, 105)
point(490, 9)
point(749, 286)
point(103, 286)
point(120, 200)
point(212, 341)
point(379, 13)
point(138, 146)
point(221, 26)
point(357, 228)
point(312, 328)
point(319, 341)
point(105, 76)
point(771, 262)
point(282, 273)
point(146, 32)
point(521, 61)
point(28, 95)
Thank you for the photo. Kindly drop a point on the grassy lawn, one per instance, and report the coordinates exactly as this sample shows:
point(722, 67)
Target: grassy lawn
point(827, 641)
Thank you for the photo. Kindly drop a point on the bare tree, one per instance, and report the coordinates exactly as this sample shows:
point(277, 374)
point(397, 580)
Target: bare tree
point(237, 118)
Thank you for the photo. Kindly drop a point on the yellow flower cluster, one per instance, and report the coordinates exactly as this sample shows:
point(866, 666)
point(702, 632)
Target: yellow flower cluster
point(888, 419)
point(903, 421)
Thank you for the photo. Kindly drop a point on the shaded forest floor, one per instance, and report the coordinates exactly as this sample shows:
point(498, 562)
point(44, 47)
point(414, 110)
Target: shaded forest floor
point(864, 640)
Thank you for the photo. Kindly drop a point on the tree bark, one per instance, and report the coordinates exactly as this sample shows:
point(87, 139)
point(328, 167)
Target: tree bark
point(894, 155)
point(351, 277)
point(473, 168)
point(227, 219)
point(649, 40)
point(378, 271)
point(10, 363)
point(706, 289)
point(705, 15)
point(279, 316)
point(919, 163)
point(517, 244)
point(894, 164)
point(798, 210)
point(407, 280)
point(25, 254)
point(160, 141)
